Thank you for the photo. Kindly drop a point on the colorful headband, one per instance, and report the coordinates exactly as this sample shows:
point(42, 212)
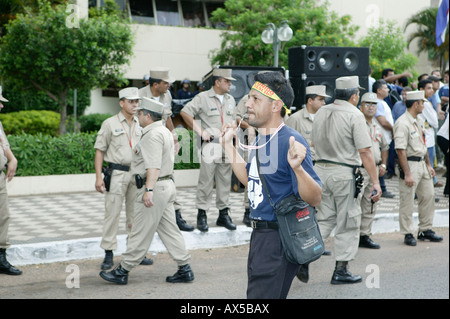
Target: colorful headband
point(258, 86)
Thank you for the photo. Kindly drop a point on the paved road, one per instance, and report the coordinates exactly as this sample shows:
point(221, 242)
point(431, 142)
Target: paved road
point(394, 271)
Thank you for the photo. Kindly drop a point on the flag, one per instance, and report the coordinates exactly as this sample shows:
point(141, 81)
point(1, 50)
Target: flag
point(441, 22)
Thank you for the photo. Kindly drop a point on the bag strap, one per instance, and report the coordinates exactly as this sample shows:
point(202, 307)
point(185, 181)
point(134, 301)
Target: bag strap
point(263, 180)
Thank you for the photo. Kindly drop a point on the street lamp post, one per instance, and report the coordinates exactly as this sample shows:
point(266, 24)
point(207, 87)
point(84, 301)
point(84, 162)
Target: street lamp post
point(274, 35)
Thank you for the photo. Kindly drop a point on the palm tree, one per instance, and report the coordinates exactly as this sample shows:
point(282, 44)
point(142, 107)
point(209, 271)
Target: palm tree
point(425, 21)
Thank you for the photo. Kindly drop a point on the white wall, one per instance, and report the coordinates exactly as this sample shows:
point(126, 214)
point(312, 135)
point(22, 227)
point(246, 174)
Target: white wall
point(366, 13)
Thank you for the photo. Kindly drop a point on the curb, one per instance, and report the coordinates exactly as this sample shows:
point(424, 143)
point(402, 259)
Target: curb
point(89, 248)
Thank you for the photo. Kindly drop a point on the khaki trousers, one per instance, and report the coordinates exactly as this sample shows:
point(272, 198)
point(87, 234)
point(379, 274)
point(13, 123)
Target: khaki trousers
point(339, 210)
point(368, 210)
point(4, 212)
point(209, 172)
point(424, 188)
point(120, 190)
point(158, 218)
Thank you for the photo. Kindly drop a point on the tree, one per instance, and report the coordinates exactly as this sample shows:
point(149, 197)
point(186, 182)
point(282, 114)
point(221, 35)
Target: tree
point(425, 34)
point(44, 52)
point(312, 25)
point(387, 49)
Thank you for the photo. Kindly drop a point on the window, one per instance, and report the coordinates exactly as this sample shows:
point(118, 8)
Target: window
point(142, 11)
point(210, 7)
point(167, 12)
point(193, 14)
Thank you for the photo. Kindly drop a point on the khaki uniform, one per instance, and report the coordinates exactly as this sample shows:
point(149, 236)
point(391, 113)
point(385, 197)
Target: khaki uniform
point(155, 150)
point(212, 114)
point(302, 122)
point(338, 133)
point(4, 208)
point(368, 210)
point(114, 140)
point(408, 134)
point(164, 98)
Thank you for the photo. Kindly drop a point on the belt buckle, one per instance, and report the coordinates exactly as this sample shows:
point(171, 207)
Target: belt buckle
point(253, 223)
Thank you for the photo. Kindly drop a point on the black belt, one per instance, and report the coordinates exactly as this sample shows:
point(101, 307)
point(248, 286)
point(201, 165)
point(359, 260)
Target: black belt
point(415, 158)
point(337, 163)
point(119, 167)
point(261, 224)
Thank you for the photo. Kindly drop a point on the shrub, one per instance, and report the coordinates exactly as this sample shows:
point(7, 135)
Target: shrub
point(42, 154)
point(48, 155)
point(92, 122)
point(31, 122)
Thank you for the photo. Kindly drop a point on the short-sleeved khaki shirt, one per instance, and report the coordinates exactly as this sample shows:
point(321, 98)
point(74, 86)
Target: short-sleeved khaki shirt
point(379, 142)
point(4, 145)
point(339, 131)
point(154, 150)
point(302, 122)
point(408, 135)
point(117, 139)
point(164, 98)
point(207, 108)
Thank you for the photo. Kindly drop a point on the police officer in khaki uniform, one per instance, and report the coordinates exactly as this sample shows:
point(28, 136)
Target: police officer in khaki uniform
point(154, 193)
point(416, 176)
point(158, 89)
point(341, 142)
point(246, 136)
point(6, 156)
point(302, 121)
point(211, 110)
point(115, 141)
point(380, 148)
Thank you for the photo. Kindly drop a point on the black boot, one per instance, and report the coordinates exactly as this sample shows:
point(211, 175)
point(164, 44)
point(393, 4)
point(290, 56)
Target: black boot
point(146, 261)
point(118, 276)
point(5, 266)
point(225, 220)
point(108, 262)
point(246, 219)
point(342, 276)
point(202, 223)
point(182, 225)
point(366, 242)
point(184, 274)
point(303, 273)
point(429, 235)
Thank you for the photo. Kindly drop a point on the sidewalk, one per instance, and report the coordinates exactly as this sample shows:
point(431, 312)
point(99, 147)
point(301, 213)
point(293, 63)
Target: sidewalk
point(63, 227)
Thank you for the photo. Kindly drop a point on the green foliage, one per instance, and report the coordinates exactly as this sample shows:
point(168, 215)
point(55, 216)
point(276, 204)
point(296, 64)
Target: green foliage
point(187, 158)
point(387, 49)
point(425, 34)
point(47, 155)
point(42, 154)
point(47, 51)
point(25, 100)
point(31, 122)
point(312, 24)
point(92, 122)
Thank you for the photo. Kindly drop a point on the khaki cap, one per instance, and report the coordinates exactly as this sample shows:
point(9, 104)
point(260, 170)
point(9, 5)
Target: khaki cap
point(1, 96)
point(348, 82)
point(317, 90)
point(415, 95)
point(130, 93)
point(161, 74)
point(150, 105)
point(223, 73)
point(369, 97)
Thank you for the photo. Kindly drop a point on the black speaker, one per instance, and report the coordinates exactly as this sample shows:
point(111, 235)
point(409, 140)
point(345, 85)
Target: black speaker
point(299, 85)
point(326, 61)
point(245, 78)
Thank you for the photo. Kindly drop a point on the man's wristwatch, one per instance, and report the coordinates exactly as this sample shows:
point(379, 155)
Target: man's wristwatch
point(149, 189)
point(382, 165)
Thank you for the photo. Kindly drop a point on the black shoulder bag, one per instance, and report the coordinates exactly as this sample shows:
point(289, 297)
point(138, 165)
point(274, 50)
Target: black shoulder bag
point(298, 228)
